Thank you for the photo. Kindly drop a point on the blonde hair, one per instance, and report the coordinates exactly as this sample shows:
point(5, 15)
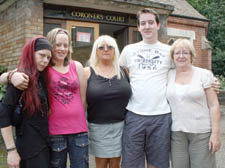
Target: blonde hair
point(93, 60)
point(51, 36)
point(186, 44)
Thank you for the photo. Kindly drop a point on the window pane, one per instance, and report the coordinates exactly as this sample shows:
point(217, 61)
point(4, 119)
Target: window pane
point(82, 36)
point(136, 36)
point(49, 27)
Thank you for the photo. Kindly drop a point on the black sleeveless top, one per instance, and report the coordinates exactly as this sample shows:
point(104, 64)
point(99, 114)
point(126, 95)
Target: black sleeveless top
point(107, 98)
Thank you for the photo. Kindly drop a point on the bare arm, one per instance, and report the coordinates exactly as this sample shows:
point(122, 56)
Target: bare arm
point(18, 79)
point(13, 158)
point(83, 82)
point(87, 72)
point(214, 142)
point(3, 78)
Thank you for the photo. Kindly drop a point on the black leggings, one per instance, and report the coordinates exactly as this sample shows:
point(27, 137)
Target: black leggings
point(39, 161)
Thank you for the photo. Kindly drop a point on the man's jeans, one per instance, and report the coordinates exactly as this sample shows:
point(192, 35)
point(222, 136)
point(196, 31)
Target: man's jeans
point(74, 144)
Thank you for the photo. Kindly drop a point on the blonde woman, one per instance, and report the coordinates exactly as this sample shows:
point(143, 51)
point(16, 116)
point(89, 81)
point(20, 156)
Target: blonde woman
point(108, 92)
point(67, 92)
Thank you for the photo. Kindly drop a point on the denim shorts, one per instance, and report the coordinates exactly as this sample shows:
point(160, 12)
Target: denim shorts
point(76, 145)
point(146, 137)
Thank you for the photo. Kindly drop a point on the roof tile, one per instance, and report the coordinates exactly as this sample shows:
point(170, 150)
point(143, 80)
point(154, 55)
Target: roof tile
point(182, 8)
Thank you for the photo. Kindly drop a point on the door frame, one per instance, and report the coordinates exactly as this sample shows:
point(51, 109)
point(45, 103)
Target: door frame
point(131, 31)
point(70, 24)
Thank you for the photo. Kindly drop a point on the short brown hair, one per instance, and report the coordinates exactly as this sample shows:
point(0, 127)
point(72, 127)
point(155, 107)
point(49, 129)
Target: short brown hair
point(147, 10)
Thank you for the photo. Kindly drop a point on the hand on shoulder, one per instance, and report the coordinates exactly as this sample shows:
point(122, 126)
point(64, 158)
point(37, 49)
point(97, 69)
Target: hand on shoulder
point(216, 85)
point(20, 80)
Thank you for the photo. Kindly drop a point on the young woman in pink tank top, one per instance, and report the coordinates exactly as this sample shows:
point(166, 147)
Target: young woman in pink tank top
point(67, 92)
point(67, 97)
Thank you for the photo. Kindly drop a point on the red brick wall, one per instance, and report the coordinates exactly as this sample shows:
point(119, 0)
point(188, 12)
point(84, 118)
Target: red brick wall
point(24, 19)
point(18, 23)
point(200, 28)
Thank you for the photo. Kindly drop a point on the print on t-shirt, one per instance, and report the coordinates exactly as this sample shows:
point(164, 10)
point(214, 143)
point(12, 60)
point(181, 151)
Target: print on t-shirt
point(65, 90)
point(148, 59)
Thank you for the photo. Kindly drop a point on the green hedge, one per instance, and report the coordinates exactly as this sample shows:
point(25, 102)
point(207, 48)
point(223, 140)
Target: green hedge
point(2, 87)
point(222, 81)
point(3, 153)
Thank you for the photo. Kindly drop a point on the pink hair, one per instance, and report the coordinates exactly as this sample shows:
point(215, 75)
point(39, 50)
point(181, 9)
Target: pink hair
point(27, 65)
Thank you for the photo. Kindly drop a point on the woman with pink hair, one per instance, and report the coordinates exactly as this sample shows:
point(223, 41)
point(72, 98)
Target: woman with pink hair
point(31, 147)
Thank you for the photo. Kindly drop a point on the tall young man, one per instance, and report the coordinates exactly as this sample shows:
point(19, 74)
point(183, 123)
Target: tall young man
point(147, 124)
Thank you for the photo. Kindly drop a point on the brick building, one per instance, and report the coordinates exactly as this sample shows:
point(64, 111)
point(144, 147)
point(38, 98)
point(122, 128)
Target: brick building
point(87, 19)
point(20, 20)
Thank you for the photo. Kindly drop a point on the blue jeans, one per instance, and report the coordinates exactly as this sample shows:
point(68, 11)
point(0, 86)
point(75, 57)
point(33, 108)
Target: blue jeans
point(74, 144)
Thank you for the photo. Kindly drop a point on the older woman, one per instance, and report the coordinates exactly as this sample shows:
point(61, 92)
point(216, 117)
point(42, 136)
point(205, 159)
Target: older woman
point(195, 111)
point(108, 92)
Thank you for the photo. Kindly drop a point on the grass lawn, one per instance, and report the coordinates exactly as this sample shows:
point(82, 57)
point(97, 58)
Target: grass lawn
point(3, 155)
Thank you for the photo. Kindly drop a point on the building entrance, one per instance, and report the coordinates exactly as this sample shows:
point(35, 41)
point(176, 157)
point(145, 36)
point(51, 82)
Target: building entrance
point(119, 32)
point(83, 35)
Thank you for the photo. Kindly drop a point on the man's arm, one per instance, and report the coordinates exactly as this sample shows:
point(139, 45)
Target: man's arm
point(216, 85)
point(122, 59)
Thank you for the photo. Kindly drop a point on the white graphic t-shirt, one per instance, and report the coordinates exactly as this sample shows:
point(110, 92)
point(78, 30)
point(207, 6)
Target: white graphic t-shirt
point(148, 69)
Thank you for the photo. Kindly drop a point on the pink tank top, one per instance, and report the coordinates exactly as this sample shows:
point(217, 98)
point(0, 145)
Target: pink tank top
point(67, 114)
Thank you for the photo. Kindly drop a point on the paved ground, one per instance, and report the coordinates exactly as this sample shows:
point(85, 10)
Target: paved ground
point(220, 155)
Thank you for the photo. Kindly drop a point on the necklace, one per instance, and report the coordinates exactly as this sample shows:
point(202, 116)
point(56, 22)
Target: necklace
point(104, 73)
point(108, 75)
